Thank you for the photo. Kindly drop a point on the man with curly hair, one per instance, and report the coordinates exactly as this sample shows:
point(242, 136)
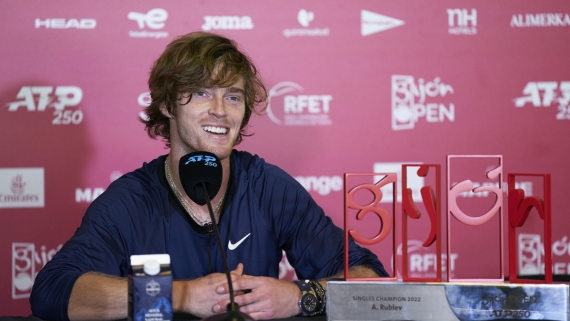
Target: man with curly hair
point(203, 91)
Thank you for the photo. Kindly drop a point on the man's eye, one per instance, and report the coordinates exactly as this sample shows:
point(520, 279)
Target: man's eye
point(200, 93)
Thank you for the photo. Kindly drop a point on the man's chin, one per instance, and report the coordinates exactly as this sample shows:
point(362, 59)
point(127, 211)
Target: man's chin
point(221, 153)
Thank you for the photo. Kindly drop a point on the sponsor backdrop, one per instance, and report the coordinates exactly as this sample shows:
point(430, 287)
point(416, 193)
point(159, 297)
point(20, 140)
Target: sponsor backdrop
point(359, 86)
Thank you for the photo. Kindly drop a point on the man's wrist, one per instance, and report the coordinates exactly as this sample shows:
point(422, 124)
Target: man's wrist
point(313, 298)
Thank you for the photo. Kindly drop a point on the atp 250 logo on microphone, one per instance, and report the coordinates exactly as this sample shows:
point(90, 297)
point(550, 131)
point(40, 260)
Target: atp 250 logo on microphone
point(46, 98)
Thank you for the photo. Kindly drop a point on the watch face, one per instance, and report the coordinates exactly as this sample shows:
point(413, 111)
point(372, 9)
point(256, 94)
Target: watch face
point(309, 303)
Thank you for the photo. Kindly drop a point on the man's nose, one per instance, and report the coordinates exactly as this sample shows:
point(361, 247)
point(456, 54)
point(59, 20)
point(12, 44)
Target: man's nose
point(218, 107)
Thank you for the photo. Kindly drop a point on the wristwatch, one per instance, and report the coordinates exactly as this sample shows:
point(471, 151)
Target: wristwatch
point(309, 303)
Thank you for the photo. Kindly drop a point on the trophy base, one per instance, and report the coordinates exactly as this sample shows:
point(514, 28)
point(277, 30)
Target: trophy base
point(354, 300)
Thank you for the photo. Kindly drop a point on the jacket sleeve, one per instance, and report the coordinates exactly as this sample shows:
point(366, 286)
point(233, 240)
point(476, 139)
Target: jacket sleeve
point(97, 245)
point(313, 243)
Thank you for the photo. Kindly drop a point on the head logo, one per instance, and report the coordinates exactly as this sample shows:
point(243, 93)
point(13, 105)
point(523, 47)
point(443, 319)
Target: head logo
point(371, 22)
point(21, 187)
point(66, 24)
point(305, 17)
point(297, 110)
point(545, 94)
point(462, 22)
point(227, 23)
point(25, 262)
point(154, 19)
point(406, 111)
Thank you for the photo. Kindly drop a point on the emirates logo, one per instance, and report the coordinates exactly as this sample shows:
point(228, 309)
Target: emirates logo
point(18, 185)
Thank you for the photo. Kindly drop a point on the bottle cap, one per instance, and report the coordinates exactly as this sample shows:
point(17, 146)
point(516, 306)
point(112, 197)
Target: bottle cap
point(151, 267)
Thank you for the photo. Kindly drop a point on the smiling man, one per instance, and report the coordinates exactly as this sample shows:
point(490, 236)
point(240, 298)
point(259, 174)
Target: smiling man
point(204, 91)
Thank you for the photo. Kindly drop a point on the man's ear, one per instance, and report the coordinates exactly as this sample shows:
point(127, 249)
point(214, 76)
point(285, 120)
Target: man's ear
point(165, 112)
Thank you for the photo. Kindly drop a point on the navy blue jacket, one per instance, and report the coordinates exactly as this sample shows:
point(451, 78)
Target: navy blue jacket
point(139, 214)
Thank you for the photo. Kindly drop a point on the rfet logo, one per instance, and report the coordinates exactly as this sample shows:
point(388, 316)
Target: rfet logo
point(27, 260)
point(409, 102)
point(546, 94)
point(289, 106)
point(423, 261)
point(153, 19)
point(40, 98)
point(21, 187)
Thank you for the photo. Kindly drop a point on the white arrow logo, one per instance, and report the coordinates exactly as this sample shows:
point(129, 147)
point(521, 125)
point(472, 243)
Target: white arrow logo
point(372, 22)
point(234, 246)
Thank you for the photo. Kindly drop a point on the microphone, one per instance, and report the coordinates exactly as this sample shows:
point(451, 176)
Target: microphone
point(201, 176)
point(197, 168)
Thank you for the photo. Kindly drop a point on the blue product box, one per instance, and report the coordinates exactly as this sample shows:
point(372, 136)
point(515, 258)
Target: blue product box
point(150, 288)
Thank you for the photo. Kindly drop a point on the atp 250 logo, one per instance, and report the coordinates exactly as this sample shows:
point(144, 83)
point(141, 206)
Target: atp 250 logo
point(41, 98)
point(546, 94)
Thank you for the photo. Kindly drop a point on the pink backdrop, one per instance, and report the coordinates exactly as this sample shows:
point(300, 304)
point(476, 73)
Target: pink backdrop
point(359, 86)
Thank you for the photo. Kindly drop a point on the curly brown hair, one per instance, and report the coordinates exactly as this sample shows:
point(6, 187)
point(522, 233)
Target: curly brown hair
point(195, 61)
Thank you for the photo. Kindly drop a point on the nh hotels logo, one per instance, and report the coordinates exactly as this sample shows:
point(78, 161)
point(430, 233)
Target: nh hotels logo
point(371, 22)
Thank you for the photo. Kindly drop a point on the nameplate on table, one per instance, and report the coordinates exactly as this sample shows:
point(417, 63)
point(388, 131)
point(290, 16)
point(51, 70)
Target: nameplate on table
point(354, 300)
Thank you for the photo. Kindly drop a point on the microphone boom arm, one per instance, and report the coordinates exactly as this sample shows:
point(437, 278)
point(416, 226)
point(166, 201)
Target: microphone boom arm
point(232, 306)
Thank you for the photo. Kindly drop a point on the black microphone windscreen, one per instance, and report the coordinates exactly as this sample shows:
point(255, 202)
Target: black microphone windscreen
point(198, 167)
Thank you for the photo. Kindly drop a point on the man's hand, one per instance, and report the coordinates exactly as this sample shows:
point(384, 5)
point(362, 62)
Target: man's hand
point(198, 296)
point(263, 297)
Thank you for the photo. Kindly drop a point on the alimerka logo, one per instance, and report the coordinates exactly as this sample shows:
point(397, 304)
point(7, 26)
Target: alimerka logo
point(540, 20)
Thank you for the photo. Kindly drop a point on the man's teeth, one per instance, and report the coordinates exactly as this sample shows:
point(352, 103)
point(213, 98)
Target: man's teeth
point(216, 130)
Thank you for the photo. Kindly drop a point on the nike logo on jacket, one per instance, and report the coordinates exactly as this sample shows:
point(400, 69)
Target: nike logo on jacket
point(234, 246)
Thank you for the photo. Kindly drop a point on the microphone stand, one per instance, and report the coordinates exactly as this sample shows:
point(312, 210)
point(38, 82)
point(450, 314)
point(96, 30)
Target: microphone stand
point(233, 313)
